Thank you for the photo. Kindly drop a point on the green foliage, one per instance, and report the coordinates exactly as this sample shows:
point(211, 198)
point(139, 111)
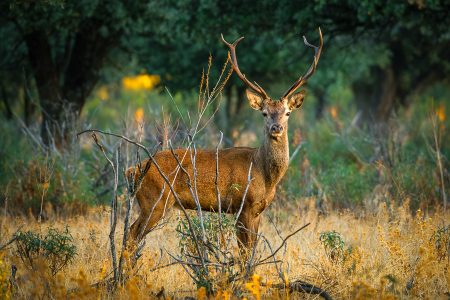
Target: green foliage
point(345, 183)
point(213, 229)
point(334, 245)
point(340, 161)
point(56, 248)
point(53, 180)
point(349, 165)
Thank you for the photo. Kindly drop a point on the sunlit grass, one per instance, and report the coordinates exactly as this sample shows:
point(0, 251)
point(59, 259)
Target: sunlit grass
point(390, 254)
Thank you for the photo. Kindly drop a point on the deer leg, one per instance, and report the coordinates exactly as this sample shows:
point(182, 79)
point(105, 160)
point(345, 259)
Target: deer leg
point(247, 233)
point(143, 225)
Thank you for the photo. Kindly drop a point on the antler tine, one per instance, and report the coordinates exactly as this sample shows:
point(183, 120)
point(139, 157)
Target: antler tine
point(302, 80)
point(232, 54)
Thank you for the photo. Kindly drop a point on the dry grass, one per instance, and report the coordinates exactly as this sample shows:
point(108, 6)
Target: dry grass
point(393, 256)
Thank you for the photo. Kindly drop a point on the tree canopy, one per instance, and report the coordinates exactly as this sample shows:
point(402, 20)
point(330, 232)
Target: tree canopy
point(384, 51)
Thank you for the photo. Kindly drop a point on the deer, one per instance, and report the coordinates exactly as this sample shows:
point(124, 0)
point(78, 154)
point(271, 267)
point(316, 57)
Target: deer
point(269, 164)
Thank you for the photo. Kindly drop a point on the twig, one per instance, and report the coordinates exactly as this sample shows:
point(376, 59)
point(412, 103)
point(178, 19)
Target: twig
point(130, 200)
point(119, 136)
point(216, 182)
point(194, 235)
point(439, 161)
point(296, 151)
point(195, 192)
point(12, 240)
point(14, 237)
point(113, 218)
point(283, 242)
point(249, 180)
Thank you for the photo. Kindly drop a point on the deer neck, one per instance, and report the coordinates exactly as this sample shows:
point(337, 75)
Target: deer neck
point(273, 156)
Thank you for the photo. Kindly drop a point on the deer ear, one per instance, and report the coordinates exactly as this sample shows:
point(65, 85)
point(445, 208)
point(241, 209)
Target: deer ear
point(254, 99)
point(295, 101)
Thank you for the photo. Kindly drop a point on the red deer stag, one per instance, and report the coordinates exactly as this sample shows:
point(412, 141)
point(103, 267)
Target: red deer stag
point(269, 161)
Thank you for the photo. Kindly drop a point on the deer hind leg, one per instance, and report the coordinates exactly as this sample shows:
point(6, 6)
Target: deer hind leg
point(247, 233)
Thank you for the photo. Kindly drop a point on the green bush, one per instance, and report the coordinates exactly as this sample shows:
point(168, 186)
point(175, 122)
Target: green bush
point(31, 177)
point(348, 163)
point(215, 246)
point(56, 248)
point(334, 245)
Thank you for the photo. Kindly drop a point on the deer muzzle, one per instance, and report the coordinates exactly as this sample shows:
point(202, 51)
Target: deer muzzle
point(276, 129)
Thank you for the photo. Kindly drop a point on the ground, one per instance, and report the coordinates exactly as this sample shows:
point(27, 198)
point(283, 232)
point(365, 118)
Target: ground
point(389, 253)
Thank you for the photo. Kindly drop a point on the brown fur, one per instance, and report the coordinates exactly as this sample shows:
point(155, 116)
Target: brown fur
point(270, 162)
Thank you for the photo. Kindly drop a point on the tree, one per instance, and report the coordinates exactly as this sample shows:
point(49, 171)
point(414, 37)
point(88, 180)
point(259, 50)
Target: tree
point(401, 46)
point(398, 47)
point(414, 34)
point(67, 45)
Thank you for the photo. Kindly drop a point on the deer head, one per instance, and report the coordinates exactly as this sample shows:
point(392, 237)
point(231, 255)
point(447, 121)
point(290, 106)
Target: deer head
point(275, 112)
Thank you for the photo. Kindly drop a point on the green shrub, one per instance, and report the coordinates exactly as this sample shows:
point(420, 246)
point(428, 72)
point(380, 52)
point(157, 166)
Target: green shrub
point(349, 163)
point(334, 245)
point(31, 177)
point(215, 246)
point(56, 248)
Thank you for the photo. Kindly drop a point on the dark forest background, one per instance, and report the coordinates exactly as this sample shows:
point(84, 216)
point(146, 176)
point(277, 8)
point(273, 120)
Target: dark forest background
point(374, 126)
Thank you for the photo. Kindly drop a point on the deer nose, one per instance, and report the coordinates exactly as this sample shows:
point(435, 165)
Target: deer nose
point(276, 128)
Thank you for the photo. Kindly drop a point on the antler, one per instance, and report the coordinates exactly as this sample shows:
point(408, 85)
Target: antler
point(302, 80)
point(232, 54)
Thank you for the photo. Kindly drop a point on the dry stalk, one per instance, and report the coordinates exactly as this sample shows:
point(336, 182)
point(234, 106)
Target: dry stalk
point(216, 182)
point(439, 159)
point(249, 180)
point(113, 218)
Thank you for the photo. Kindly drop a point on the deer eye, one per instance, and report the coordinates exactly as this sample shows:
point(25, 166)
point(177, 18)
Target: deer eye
point(288, 113)
point(264, 114)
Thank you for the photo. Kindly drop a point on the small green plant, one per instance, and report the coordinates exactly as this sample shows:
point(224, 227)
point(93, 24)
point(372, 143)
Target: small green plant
point(334, 245)
point(56, 248)
point(442, 242)
point(214, 229)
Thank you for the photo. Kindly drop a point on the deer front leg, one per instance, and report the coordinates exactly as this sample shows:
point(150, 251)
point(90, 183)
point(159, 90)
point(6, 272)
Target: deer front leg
point(141, 227)
point(247, 233)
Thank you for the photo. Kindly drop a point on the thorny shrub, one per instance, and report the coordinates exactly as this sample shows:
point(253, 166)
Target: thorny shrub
point(56, 248)
point(215, 244)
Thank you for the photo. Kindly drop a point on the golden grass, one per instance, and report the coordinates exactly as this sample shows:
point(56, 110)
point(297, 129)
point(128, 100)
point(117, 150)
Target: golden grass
point(393, 256)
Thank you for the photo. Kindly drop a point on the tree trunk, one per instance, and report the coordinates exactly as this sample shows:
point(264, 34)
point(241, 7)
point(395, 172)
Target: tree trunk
point(27, 109)
point(388, 97)
point(377, 99)
point(47, 82)
point(89, 51)
point(240, 99)
point(63, 95)
point(8, 111)
point(320, 93)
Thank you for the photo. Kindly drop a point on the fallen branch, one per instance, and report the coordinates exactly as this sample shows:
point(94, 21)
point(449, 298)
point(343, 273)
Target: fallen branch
point(302, 287)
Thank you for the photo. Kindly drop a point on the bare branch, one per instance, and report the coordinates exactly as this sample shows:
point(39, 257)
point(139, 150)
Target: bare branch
point(113, 218)
point(216, 182)
point(249, 180)
point(283, 242)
